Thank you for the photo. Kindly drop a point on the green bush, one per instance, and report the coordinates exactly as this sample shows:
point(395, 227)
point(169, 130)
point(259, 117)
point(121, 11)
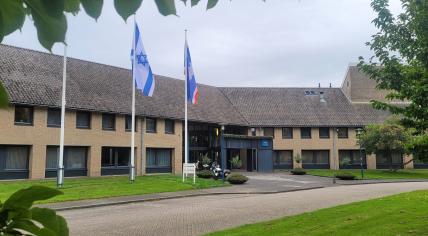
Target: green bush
point(298, 171)
point(236, 179)
point(205, 174)
point(345, 176)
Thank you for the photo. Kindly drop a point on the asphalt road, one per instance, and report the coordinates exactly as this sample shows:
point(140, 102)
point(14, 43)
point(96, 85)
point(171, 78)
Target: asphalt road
point(199, 215)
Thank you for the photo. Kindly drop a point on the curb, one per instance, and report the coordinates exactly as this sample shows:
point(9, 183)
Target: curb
point(170, 197)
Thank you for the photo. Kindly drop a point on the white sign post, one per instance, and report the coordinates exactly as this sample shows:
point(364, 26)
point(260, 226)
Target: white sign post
point(189, 168)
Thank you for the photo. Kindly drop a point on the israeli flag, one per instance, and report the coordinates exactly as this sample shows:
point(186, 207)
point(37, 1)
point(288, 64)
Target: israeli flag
point(141, 71)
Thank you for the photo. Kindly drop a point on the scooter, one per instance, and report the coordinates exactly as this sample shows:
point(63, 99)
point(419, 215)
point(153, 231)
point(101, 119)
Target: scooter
point(217, 171)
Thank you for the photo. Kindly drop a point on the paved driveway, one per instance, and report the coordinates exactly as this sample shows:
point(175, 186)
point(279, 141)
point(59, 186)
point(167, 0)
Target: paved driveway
point(199, 215)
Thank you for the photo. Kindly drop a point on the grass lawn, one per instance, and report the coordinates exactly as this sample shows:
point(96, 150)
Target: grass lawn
point(402, 214)
point(101, 187)
point(377, 174)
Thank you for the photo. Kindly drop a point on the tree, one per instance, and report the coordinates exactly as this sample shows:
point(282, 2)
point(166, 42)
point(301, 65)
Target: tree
point(17, 217)
point(51, 23)
point(400, 61)
point(418, 146)
point(385, 138)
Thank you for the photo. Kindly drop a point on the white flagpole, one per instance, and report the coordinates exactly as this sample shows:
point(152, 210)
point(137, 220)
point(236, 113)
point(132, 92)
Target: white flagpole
point(132, 164)
point(60, 177)
point(186, 147)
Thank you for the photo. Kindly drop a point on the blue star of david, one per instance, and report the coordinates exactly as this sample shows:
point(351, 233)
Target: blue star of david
point(142, 59)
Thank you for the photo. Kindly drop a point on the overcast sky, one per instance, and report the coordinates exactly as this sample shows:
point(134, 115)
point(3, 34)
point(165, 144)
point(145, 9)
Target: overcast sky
point(277, 43)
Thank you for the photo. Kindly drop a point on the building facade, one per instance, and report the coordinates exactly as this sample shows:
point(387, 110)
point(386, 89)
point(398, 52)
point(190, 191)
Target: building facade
point(266, 128)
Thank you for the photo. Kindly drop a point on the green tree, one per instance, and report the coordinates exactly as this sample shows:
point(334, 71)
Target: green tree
point(400, 61)
point(51, 24)
point(418, 146)
point(385, 138)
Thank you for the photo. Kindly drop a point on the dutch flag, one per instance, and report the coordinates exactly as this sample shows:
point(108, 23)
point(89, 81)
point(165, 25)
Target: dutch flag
point(192, 88)
point(141, 71)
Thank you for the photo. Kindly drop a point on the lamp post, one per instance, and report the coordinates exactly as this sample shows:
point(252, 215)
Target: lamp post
point(223, 152)
point(359, 132)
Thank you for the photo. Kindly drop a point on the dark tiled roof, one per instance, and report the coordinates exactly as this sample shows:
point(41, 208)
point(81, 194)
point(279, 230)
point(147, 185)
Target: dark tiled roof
point(32, 77)
point(291, 107)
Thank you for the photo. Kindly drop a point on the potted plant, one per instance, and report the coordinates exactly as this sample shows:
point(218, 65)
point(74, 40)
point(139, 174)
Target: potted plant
point(236, 162)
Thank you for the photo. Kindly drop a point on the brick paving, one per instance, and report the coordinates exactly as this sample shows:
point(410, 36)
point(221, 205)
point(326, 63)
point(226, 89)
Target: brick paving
point(202, 214)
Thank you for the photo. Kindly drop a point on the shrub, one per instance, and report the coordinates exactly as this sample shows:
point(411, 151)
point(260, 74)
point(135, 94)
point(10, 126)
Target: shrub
point(237, 179)
point(236, 162)
point(345, 176)
point(298, 171)
point(205, 174)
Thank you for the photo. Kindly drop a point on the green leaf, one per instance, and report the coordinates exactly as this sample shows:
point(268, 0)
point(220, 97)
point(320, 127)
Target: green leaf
point(12, 17)
point(24, 198)
point(166, 7)
point(92, 7)
point(194, 2)
point(3, 97)
point(72, 6)
point(126, 8)
point(26, 225)
point(211, 4)
point(50, 220)
point(49, 20)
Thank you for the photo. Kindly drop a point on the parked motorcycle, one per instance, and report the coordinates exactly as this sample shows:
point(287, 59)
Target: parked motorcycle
point(217, 171)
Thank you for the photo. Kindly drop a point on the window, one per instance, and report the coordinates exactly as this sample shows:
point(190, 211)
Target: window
point(351, 158)
point(150, 125)
point(320, 157)
point(169, 127)
point(128, 123)
point(283, 157)
point(115, 157)
point(74, 157)
point(287, 133)
point(268, 132)
point(54, 117)
point(342, 132)
point(83, 120)
point(305, 133)
point(253, 131)
point(324, 132)
point(382, 161)
point(158, 160)
point(14, 158)
point(24, 115)
point(109, 121)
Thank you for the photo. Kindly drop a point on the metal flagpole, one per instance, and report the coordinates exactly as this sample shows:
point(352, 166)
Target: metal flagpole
point(132, 164)
point(60, 177)
point(186, 148)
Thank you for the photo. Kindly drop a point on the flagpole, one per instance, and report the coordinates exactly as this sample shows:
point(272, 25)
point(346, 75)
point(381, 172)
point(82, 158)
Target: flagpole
point(186, 147)
point(132, 164)
point(60, 174)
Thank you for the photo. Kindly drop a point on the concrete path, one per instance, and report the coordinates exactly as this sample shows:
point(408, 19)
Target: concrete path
point(199, 215)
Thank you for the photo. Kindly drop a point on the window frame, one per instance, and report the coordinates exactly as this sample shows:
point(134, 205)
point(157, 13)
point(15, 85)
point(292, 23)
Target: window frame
point(273, 131)
point(31, 118)
point(305, 137)
point(328, 132)
point(114, 121)
point(89, 119)
point(47, 121)
point(287, 137)
point(173, 126)
point(155, 125)
point(126, 122)
point(343, 137)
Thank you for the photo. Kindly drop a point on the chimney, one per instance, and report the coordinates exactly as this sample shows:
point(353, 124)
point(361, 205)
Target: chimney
point(319, 85)
point(330, 85)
